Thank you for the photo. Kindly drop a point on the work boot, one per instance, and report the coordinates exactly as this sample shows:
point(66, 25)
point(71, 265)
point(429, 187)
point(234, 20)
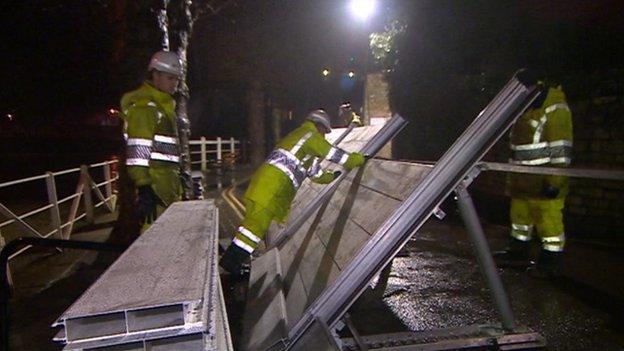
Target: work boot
point(515, 255)
point(236, 261)
point(549, 265)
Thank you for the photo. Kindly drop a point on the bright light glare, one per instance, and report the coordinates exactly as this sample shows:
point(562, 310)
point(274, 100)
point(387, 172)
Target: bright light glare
point(351, 74)
point(325, 72)
point(362, 9)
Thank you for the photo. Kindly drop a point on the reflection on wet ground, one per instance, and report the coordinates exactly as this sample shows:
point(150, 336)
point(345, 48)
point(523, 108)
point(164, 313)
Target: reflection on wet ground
point(436, 283)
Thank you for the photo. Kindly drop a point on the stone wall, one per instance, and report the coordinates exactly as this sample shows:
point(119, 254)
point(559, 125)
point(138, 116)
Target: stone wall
point(597, 206)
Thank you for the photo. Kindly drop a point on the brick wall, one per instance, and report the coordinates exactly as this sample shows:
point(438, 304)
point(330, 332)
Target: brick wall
point(597, 206)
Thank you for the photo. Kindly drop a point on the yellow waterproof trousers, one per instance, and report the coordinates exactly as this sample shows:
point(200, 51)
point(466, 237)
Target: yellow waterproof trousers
point(540, 215)
point(254, 227)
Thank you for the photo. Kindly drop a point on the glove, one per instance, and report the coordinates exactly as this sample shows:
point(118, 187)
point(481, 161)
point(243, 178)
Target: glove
point(337, 174)
point(146, 204)
point(325, 178)
point(198, 189)
point(355, 159)
point(550, 192)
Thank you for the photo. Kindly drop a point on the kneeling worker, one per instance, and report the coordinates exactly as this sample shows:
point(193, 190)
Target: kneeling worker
point(274, 185)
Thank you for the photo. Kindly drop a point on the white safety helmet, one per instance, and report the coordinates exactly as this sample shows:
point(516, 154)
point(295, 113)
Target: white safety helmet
point(320, 117)
point(166, 61)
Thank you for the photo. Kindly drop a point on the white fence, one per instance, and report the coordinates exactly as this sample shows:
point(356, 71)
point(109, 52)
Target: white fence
point(214, 151)
point(68, 205)
point(217, 151)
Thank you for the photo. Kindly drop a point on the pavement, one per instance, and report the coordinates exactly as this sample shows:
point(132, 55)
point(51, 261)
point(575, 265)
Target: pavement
point(435, 282)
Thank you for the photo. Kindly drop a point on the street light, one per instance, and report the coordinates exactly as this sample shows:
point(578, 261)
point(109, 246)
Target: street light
point(362, 9)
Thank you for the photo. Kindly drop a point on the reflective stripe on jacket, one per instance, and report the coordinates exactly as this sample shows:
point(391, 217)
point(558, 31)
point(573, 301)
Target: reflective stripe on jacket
point(295, 157)
point(152, 150)
point(541, 137)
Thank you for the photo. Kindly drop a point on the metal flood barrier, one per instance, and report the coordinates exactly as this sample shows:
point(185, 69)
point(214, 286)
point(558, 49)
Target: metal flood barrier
point(163, 293)
point(315, 327)
point(447, 174)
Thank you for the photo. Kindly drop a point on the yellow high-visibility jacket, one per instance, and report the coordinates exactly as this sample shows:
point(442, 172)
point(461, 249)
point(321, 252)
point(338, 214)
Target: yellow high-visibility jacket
point(152, 151)
point(275, 183)
point(541, 137)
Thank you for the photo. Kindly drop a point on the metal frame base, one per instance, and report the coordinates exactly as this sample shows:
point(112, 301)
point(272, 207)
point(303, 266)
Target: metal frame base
point(490, 336)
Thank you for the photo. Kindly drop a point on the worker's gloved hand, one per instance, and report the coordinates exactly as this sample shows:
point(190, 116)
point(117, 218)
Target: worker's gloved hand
point(325, 178)
point(550, 192)
point(355, 159)
point(146, 204)
point(198, 189)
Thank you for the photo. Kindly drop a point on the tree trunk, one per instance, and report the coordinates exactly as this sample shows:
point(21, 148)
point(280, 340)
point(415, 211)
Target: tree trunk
point(184, 134)
point(177, 28)
point(163, 23)
point(182, 32)
point(276, 124)
point(255, 123)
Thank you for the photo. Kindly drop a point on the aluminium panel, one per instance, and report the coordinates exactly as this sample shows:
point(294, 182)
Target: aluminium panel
point(164, 287)
point(159, 268)
point(396, 231)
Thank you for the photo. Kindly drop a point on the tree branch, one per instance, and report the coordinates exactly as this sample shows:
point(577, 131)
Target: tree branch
point(210, 7)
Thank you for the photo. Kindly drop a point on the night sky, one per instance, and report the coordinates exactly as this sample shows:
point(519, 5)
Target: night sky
point(54, 58)
point(70, 59)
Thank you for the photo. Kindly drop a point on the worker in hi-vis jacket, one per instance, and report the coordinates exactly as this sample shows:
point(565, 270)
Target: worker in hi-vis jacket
point(152, 152)
point(274, 185)
point(542, 137)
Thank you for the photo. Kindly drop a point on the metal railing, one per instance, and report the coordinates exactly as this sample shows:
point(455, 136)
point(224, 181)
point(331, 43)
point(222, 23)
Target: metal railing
point(214, 151)
point(593, 173)
point(85, 187)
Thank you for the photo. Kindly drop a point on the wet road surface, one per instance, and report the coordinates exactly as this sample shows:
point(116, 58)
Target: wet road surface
point(436, 283)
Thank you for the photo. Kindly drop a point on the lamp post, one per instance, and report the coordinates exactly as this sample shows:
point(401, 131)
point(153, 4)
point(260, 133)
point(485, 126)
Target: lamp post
point(362, 11)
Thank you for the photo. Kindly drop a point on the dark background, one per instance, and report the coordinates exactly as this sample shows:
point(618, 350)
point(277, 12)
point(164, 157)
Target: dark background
point(66, 63)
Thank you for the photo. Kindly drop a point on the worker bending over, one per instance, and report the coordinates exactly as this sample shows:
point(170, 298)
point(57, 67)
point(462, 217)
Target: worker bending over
point(274, 185)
